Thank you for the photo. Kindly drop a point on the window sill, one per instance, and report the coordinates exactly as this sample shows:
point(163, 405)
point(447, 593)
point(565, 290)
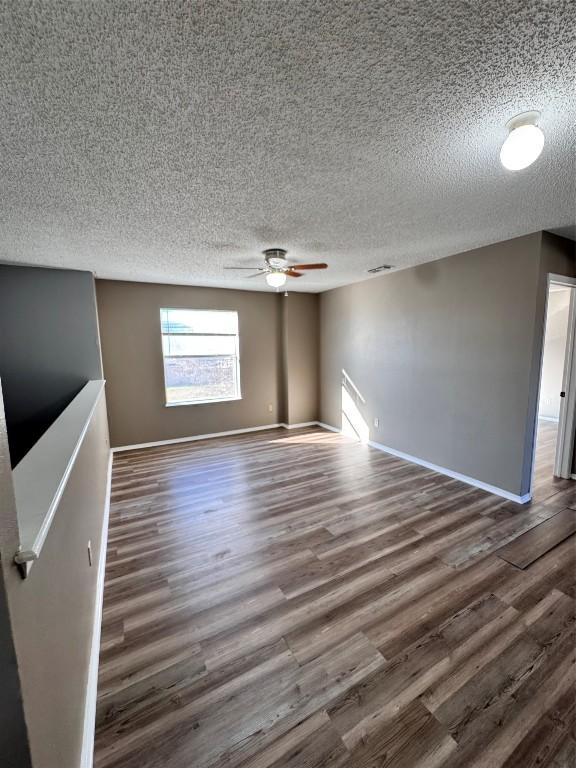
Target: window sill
point(203, 402)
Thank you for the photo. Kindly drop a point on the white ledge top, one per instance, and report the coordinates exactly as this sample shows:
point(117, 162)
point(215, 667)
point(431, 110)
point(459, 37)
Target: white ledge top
point(41, 476)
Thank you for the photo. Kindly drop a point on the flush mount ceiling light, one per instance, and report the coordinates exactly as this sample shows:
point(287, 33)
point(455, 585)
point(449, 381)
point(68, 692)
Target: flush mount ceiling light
point(275, 279)
point(524, 142)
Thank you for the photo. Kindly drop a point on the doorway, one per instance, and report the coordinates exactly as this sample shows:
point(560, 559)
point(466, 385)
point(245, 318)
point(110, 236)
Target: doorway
point(555, 424)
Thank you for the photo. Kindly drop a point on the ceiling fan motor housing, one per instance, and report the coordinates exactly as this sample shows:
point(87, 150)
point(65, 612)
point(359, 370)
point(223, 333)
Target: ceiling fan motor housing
point(275, 257)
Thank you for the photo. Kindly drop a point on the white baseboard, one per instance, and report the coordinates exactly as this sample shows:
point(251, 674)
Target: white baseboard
point(451, 473)
point(92, 683)
point(442, 470)
point(328, 427)
point(192, 439)
point(210, 435)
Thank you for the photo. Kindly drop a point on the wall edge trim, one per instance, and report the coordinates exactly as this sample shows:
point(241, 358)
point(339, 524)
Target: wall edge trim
point(87, 755)
point(207, 436)
point(328, 427)
point(443, 470)
point(210, 435)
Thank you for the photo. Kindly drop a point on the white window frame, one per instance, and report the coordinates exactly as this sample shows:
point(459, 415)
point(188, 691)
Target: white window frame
point(236, 357)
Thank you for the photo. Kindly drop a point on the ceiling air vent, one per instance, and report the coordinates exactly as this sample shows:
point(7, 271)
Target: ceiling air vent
point(383, 268)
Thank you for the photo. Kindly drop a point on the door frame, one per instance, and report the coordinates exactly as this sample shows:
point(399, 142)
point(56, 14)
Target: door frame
point(567, 416)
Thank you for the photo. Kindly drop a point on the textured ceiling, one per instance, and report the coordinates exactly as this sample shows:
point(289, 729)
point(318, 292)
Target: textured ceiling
point(162, 140)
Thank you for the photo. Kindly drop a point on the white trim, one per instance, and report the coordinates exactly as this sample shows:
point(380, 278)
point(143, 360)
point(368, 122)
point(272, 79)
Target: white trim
point(442, 470)
point(41, 476)
point(328, 427)
point(92, 682)
point(566, 444)
point(566, 420)
point(451, 473)
point(203, 402)
point(569, 282)
point(548, 418)
point(208, 436)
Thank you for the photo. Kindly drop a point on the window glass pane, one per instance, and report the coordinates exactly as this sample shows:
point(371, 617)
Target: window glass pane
point(199, 345)
point(198, 321)
point(200, 378)
point(200, 350)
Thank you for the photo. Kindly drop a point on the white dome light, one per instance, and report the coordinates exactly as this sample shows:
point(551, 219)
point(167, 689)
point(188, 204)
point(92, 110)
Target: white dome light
point(275, 279)
point(524, 142)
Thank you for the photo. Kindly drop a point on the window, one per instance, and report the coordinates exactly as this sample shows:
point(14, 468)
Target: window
point(201, 355)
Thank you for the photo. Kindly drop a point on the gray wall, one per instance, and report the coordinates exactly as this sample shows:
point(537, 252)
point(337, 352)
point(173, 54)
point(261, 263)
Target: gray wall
point(129, 316)
point(447, 356)
point(48, 347)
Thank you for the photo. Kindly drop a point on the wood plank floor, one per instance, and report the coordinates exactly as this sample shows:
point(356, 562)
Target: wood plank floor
point(536, 542)
point(291, 599)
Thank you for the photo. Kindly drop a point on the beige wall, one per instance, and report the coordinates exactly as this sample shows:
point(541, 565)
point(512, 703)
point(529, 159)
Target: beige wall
point(300, 327)
point(447, 356)
point(52, 611)
point(554, 353)
point(129, 315)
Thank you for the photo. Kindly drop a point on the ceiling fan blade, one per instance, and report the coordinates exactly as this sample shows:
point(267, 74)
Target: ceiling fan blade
point(260, 268)
point(319, 265)
point(292, 273)
point(257, 274)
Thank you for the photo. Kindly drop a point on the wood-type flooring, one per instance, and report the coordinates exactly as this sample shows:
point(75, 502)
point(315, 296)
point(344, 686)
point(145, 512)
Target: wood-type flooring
point(293, 599)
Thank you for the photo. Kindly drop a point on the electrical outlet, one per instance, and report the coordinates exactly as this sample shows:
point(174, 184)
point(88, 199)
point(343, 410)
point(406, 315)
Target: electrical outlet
point(89, 553)
point(270, 409)
point(376, 422)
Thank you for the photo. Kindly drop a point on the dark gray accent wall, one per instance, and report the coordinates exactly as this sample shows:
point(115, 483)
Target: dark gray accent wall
point(48, 347)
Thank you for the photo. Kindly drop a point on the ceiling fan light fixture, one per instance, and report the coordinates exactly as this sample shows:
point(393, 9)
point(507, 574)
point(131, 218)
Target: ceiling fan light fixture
point(275, 279)
point(276, 257)
point(524, 143)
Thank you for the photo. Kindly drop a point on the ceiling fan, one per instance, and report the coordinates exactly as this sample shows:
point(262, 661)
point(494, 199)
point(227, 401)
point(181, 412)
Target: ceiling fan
point(277, 267)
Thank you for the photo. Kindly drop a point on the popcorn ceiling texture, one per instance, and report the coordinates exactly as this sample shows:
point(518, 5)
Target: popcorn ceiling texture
point(159, 141)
